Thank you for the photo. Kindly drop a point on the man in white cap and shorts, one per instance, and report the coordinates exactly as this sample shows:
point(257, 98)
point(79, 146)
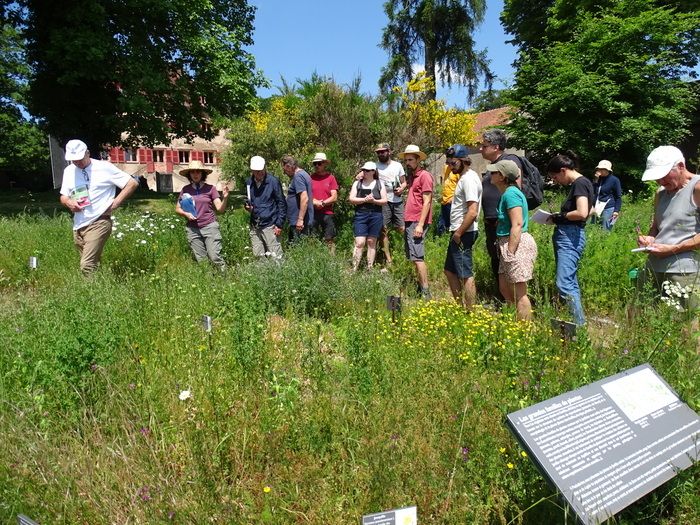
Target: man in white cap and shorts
point(89, 191)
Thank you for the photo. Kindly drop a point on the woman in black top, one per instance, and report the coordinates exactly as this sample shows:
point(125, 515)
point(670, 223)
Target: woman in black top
point(368, 195)
point(569, 237)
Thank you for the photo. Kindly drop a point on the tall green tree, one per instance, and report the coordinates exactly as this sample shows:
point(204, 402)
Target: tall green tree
point(439, 31)
point(23, 147)
point(607, 81)
point(151, 69)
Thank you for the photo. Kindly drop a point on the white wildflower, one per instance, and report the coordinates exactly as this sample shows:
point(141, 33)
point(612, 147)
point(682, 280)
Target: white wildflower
point(185, 395)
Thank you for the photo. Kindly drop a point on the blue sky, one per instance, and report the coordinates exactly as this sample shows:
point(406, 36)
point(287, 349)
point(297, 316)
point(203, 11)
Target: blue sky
point(340, 39)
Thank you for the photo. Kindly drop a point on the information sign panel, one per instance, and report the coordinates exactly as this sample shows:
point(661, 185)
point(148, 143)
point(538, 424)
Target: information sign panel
point(609, 443)
point(405, 516)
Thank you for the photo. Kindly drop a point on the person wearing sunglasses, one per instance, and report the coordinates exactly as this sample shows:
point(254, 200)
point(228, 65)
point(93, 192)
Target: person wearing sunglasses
point(89, 191)
point(368, 195)
point(463, 226)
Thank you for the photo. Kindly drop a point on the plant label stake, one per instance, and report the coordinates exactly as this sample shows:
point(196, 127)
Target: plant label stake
point(565, 328)
point(404, 516)
point(393, 304)
point(206, 323)
point(24, 520)
point(33, 263)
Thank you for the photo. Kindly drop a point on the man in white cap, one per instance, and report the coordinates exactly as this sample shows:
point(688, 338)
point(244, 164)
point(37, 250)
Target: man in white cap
point(418, 214)
point(268, 209)
point(674, 238)
point(89, 192)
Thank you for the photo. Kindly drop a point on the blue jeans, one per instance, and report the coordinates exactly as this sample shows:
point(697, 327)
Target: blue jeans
point(569, 241)
point(605, 219)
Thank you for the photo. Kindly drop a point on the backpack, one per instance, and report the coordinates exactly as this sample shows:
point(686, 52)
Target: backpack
point(532, 183)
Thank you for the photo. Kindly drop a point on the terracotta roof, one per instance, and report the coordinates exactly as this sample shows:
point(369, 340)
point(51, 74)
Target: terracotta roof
point(492, 118)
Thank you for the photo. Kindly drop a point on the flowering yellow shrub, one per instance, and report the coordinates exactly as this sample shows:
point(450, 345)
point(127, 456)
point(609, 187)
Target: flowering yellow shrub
point(447, 126)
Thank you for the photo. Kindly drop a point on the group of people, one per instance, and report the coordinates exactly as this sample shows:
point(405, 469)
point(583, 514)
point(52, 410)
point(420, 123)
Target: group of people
point(89, 192)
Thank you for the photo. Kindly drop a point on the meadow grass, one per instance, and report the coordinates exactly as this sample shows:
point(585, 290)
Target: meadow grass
point(306, 403)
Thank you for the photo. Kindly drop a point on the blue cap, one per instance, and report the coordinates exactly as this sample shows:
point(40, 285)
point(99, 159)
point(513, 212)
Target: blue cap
point(458, 151)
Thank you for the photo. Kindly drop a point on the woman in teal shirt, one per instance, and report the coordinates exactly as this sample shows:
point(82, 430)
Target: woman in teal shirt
point(517, 250)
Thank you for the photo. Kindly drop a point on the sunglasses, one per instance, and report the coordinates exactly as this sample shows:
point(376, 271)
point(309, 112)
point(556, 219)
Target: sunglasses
point(453, 162)
point(363, 169)
point(318, 163)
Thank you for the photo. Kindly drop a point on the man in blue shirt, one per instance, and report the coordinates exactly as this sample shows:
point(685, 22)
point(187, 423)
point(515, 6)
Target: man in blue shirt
point(267, 207)
point(300, 208)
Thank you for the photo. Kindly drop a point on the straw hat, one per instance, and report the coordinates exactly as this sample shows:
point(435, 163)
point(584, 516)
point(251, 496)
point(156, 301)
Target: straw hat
point(412, 149)
point(195, 165)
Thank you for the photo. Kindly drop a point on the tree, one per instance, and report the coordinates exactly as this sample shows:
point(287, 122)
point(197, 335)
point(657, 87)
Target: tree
point(441, 32)
point(148, 69)
point(607, 82)
point(23, 147)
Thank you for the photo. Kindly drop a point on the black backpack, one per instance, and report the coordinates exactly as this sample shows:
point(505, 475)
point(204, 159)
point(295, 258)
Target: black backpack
point(532, 184)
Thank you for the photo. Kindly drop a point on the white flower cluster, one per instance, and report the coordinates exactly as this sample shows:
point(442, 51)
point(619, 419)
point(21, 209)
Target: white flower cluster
point(673, 293)
point(145, 225)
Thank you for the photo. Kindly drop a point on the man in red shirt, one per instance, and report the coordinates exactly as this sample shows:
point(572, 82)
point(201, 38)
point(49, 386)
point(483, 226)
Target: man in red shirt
point(418, 213)
point(325, 191)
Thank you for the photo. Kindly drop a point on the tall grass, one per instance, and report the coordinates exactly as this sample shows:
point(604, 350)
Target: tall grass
point(307, 404)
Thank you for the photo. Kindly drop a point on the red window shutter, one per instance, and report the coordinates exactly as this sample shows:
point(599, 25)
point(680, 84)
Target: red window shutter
point(169, 154)
point(114, 154)
point(196, 155)
point(142, 155)
point(121, 155)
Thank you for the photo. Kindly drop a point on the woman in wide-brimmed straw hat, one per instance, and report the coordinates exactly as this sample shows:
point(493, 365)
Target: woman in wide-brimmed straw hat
point(198, 203)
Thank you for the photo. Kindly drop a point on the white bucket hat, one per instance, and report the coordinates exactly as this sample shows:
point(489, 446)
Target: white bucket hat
point(320, 157)
point(604, 165)
point(412, 149)
point(369, 166)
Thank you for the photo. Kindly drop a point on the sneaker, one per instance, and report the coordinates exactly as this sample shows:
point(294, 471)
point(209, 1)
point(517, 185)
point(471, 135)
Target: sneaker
point(425, 294)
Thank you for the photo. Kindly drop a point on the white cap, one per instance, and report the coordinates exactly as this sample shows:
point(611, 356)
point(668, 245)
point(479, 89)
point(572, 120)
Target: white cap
point(661, 161)
point(75, 149)
point(369, 166)
point(320, 157)
point(604, 165)
point(257, 163)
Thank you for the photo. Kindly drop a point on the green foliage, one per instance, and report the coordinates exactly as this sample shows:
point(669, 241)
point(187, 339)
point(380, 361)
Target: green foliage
point(441, 32)
point(147, 70)
point(615, 93)
point(22, 145)
point(306, 401)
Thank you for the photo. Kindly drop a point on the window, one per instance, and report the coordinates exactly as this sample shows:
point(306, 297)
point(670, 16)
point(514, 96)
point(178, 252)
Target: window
point(130, 155)
point(208, 157)
point(183, 156)
point(158, 155)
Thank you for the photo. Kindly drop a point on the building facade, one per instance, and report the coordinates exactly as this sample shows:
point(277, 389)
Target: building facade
point(160, 166)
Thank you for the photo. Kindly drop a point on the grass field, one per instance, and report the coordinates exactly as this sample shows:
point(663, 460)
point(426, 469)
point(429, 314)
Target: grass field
point(306, 403)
